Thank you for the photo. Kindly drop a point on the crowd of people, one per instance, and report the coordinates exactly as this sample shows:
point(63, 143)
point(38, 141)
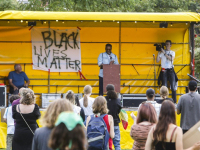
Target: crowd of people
point(93, 123)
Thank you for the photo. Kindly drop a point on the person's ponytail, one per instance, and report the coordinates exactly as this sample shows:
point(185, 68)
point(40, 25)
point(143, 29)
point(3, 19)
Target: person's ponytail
point(85, 101)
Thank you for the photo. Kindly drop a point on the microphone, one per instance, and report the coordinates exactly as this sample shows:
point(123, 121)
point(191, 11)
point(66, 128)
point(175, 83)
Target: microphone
point(153, 55)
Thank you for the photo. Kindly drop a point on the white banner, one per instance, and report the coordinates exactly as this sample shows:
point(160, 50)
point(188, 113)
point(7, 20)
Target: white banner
point(56, 50)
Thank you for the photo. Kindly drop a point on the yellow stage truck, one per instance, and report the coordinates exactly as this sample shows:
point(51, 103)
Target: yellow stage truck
point(56, 48)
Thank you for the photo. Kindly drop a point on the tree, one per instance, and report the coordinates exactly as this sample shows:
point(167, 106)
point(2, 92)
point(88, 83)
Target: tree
point(104, 5)
point(8, 5)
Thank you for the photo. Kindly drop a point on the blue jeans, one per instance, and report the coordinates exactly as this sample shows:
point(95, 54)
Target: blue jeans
point(116, 140)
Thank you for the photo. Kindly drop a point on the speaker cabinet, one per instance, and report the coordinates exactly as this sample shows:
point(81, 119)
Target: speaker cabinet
point(2, 96)
point(134, 100)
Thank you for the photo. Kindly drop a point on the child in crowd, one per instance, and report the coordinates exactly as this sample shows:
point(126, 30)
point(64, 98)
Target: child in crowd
point(10, 122)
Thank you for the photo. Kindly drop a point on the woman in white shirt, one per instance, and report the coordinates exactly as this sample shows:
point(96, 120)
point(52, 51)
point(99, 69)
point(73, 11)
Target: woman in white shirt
point(71, 97)
point(87, 101)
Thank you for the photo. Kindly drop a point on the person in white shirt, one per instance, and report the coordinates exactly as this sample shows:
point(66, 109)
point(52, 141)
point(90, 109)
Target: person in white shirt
point(87, 101)
point(71, 97)
point(105, 58)
point(150, 94)
point(167, 57)
point(10, 122)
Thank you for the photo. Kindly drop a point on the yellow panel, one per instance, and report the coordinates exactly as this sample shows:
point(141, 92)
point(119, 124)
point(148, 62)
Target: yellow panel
point(36, 15)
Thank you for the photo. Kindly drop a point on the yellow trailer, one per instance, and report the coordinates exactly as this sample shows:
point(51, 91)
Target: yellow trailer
point(132, 36)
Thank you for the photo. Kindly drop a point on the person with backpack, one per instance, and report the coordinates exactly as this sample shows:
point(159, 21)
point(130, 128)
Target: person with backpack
point(100, 126)
point(114, 106)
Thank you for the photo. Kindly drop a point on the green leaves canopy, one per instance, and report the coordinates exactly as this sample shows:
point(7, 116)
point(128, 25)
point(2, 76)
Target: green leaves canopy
point(103, 5)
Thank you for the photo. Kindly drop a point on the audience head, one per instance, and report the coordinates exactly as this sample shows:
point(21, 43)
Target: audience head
point(192, 85)
point(28, 97)
point(13, 97)
point(166, 117)
point(53, 110)
point(164, 92)
point(70, 96)
point(100, 106)
point(18, 67)
point(68, 133)
point(150, 94)
point(146, 113)
point(110, 88)
point(87, 92)
point(21, 91)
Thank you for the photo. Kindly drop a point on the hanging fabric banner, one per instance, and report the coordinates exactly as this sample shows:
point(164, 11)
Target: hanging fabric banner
point(56, 50)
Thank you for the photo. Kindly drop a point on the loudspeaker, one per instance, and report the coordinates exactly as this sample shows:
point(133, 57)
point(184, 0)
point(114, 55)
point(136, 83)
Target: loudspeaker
point(163, 25)
point(134, 100)
point(2, 96)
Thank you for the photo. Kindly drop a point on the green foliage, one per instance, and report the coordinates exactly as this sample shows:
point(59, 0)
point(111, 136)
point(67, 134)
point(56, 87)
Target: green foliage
point(7, 4)
point(103, 5)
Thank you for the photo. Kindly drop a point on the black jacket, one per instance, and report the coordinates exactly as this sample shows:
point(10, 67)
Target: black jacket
point(114, 106)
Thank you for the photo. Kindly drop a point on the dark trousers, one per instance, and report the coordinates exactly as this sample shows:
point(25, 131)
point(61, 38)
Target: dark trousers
point(12, 91)
point(100, 86)
point(184, 131)
point(169, 75)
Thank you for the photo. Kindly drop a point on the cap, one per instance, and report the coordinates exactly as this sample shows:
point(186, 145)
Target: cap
point(150, 92)
point(192, 85)
point(110, 87)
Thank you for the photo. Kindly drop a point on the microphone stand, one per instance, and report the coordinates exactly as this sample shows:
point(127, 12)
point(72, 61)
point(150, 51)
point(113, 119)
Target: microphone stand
point(154, 72)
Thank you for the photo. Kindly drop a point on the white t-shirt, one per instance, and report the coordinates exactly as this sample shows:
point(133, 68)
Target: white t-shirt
point(76, 109)
point(88, 110)
point(10, 120)
point(166, 63)
point(156, 105)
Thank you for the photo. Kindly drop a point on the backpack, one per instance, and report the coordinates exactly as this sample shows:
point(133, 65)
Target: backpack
point(97, 134)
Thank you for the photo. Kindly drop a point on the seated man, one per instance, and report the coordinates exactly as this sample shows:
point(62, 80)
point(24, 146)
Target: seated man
point(16, 79)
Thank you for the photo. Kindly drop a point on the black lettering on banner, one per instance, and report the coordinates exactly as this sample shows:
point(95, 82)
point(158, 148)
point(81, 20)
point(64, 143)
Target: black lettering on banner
point(55, 41)
point(77, 63)
point(64, 36)
point(69, 38)
point(62, 52)
point(42, 61)
point(47, 55)
point(35, 51)
point(67, 62)
point(75, 41)
point(57, 57)
point(55, 52)
point(59, 62)
point(47, 38)
point(71, 64)
point(53, 63)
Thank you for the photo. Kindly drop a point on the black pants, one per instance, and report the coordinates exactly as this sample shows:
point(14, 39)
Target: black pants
point(100, 86)
point(169, 75)
point(15, 92)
